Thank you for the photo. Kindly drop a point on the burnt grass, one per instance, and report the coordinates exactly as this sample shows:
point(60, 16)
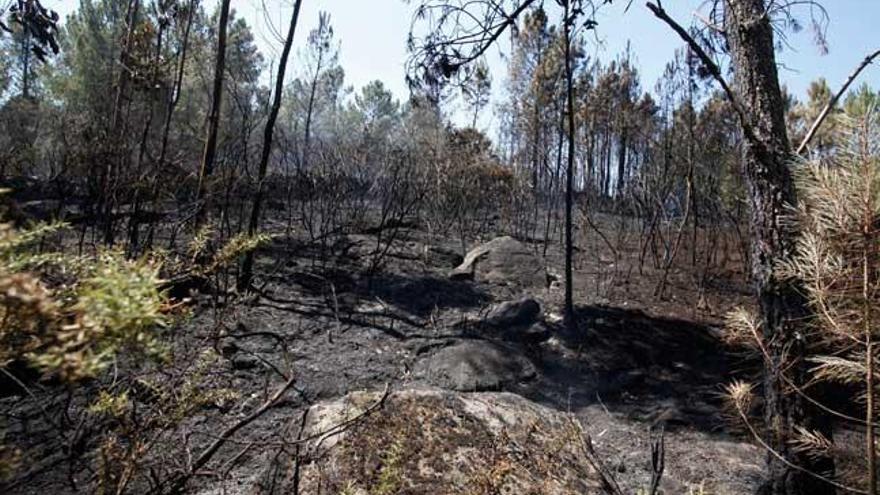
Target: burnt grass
point(330, 317)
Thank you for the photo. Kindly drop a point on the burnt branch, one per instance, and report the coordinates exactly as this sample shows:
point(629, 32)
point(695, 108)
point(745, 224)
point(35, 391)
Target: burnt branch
point(710, 66)
point(833, 101)
point(457, 32)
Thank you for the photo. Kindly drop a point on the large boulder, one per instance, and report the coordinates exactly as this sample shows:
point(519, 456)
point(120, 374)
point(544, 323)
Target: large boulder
point(430, 441)
point(517, 321)
point(503, 260)
point(521, 312)
point(474, 366)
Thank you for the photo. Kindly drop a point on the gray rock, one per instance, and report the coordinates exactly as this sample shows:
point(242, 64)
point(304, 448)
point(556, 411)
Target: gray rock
point(502, 260)
point(445, 256)
point(534, 334)
point(447, 442)
point(517, 321)
point(475, 366)
point(519, 313)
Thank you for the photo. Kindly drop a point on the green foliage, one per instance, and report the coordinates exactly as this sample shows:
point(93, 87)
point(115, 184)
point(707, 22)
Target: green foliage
point(203, 256)
point(836, 130)
point(838, 210)
point(26, 305)
point(90, 50)
point(16, 247)
point(478, 90)
point(72, 317)
point(390, 474)
point(377, 108)
point(233, 248)
point(861, 102)
point(110, 404)
point(106, 305)
point(200, 244)
point(118, 306)
point(804, 114)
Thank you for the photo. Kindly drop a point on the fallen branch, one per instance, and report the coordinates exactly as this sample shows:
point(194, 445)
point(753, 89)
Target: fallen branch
point(297, 463)
point(206, 456)
point(609, 483)
point(774, 453)
point(341, 427)
point(324, 434)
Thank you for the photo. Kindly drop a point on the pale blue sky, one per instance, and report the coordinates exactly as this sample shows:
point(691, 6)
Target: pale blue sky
point(373, 35)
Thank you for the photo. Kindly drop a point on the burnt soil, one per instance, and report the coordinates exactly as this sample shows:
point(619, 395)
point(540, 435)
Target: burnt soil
point(637, 362)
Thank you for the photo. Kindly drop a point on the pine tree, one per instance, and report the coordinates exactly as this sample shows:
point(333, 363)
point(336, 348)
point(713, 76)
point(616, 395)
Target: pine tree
point(836, 262)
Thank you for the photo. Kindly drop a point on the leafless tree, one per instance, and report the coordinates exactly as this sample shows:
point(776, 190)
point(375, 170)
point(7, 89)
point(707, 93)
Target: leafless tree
point(247, 265)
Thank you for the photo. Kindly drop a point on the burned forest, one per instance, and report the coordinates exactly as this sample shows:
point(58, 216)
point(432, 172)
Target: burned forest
point(547, 247)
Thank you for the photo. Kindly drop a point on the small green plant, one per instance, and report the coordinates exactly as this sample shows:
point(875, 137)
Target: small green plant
point(391, 472)
point(116, 306)
point(71, 317)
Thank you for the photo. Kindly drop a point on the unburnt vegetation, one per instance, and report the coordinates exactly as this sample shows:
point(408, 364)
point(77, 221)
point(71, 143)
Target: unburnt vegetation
point(224, 273)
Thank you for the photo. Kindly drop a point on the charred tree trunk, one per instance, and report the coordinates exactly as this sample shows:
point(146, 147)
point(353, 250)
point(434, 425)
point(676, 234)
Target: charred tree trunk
point(590, 178)
point(116, 162)
point(569, 172)
point(207, 167)
point(178, 84)
point(307, 139)
point(535, 137)
point(247, 266)
point(766, 157)
point(621, 162)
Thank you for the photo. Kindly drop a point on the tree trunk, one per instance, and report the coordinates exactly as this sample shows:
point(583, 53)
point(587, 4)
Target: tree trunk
point(570, 322)
point(621, 162)
point(304, 162)
point(590, 177)
point(207, 168)
point(178, 84)
point(535, 136)
point(116, 131)
point(25, 57)
point(140, 177)
point(766, 157)
point(247, 266)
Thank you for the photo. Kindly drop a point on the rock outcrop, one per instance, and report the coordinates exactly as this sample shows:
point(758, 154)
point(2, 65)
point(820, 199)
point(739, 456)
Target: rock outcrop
point(474, 366)
point(519, 313)
point(503, 261)
point(431, 441)
point(517, 321)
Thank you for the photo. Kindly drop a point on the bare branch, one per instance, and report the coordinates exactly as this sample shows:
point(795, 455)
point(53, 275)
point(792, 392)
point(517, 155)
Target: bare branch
point(606, 477)
point(711, 66)
point(227, 433)
point(774, 453)
point(833, 101)
point(443, 54)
